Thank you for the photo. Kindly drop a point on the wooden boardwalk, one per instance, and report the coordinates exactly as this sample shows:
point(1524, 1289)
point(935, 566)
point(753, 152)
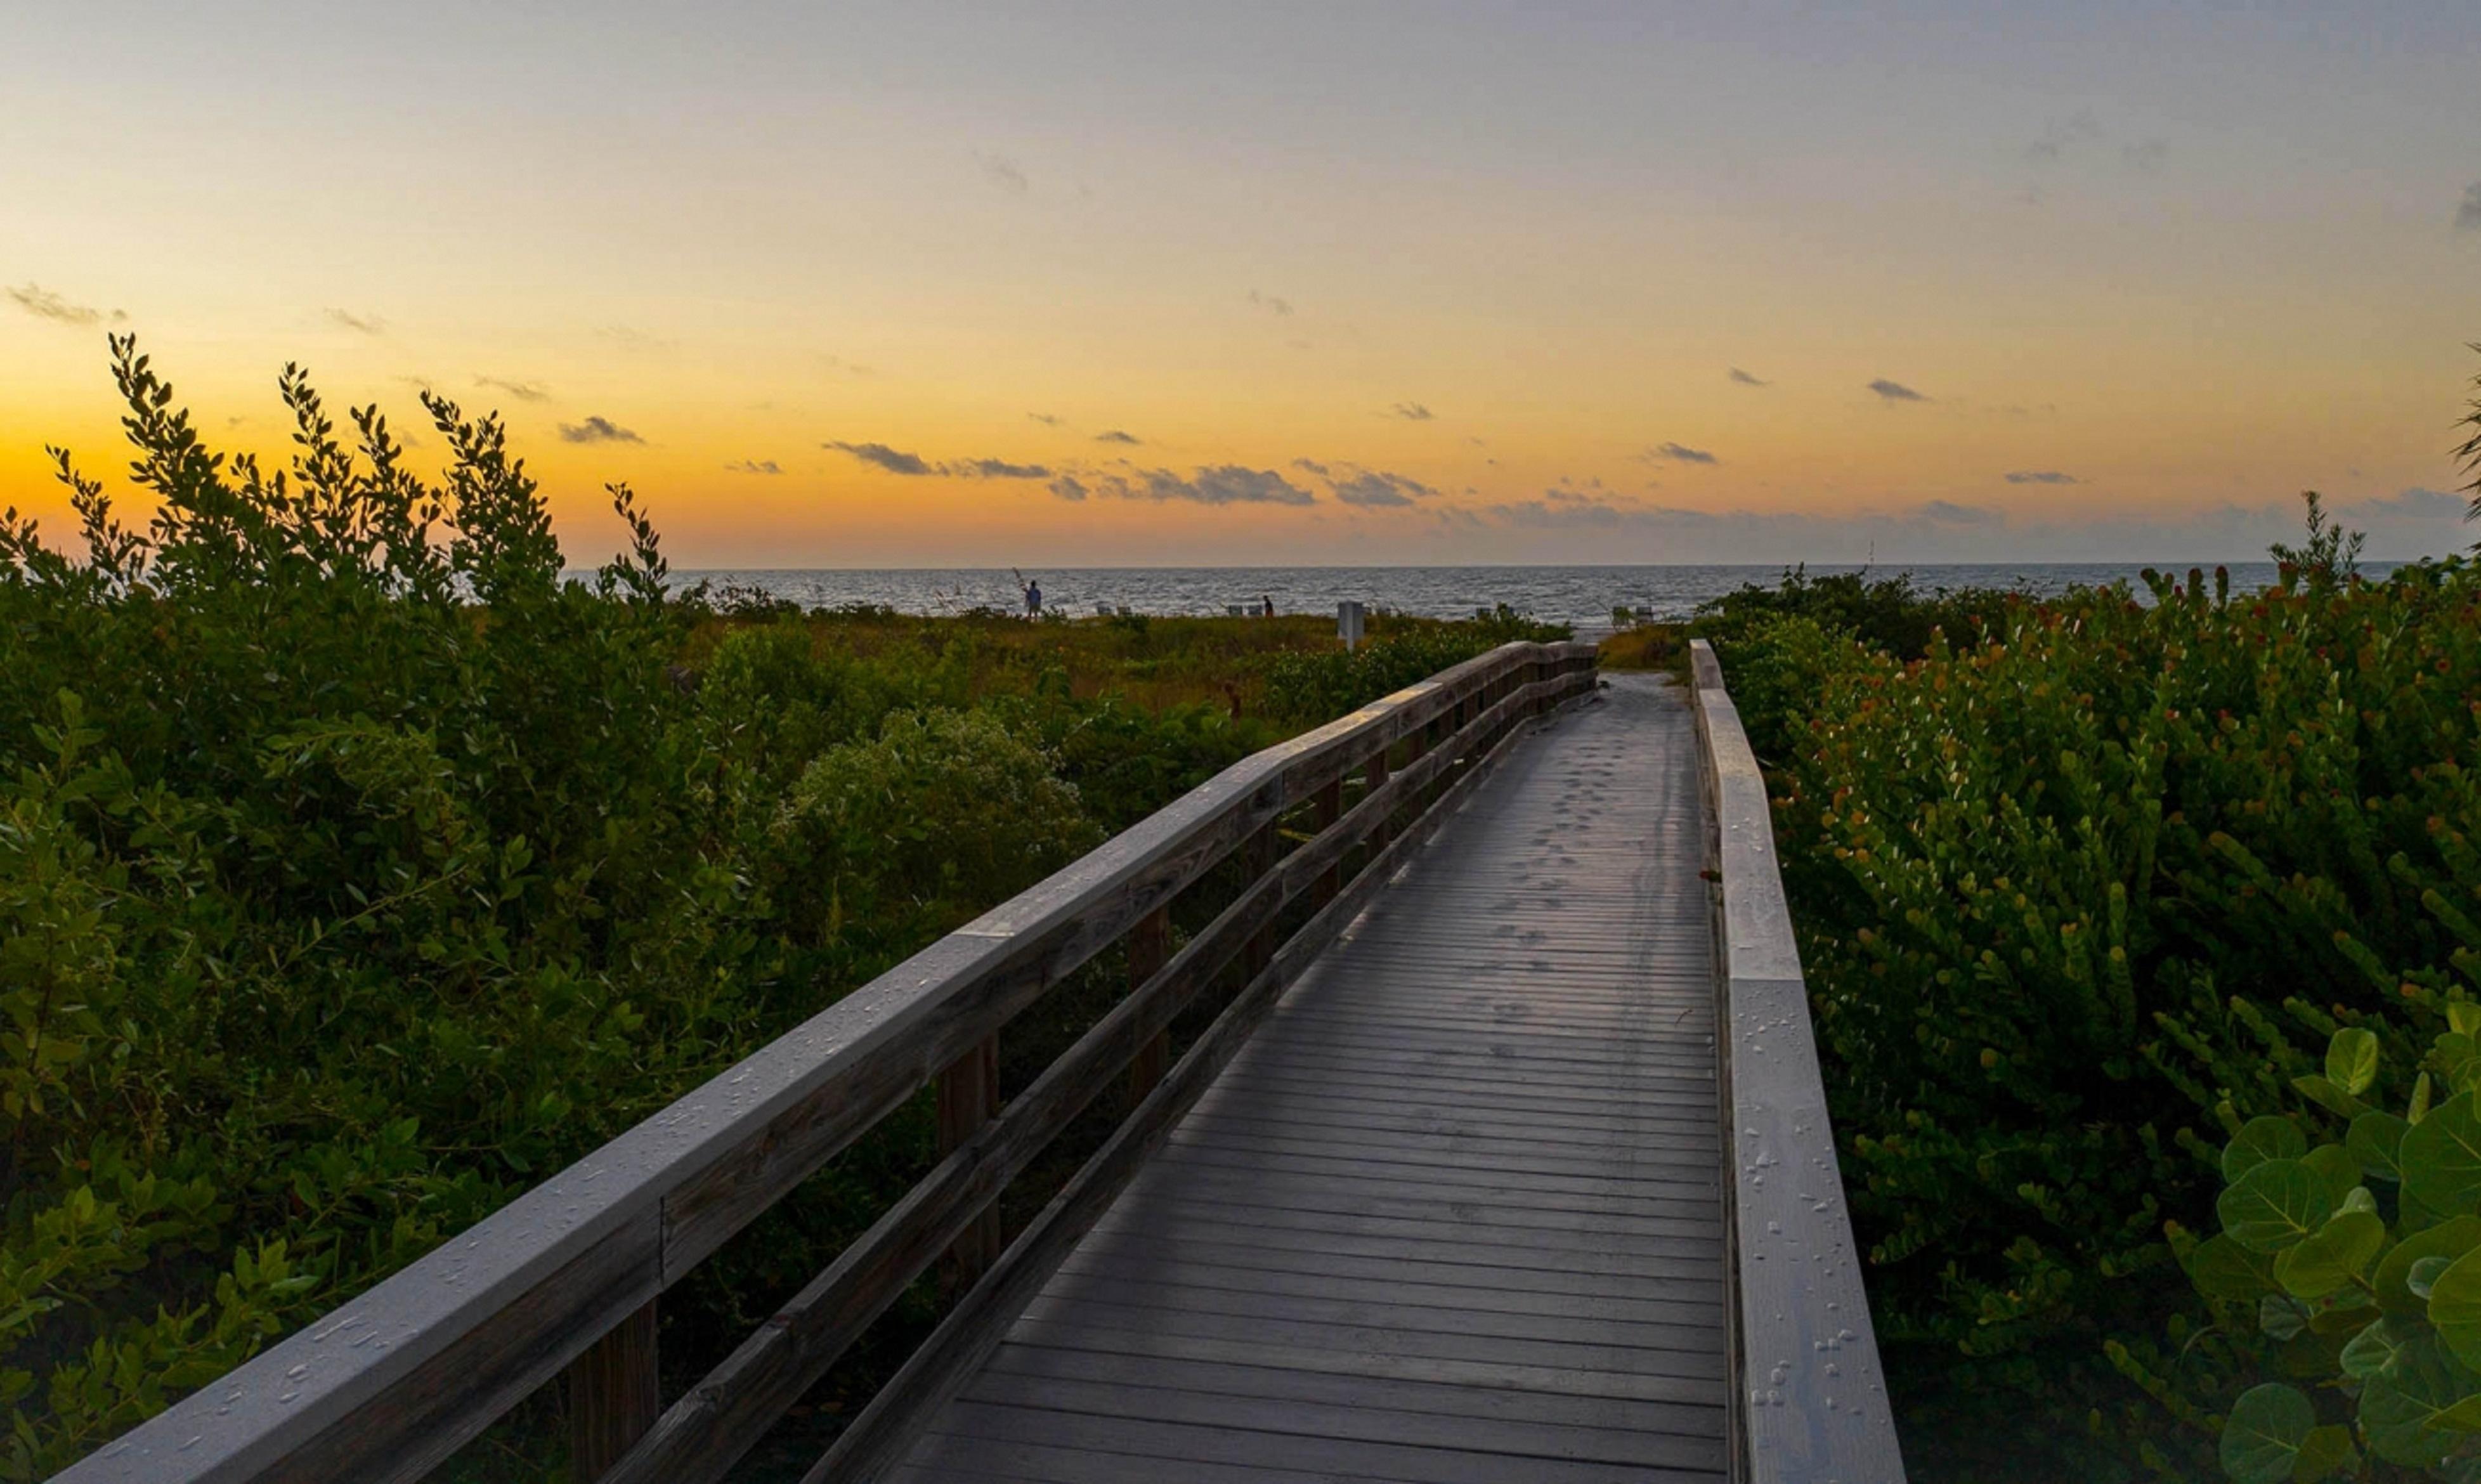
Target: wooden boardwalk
point(1455, 1212)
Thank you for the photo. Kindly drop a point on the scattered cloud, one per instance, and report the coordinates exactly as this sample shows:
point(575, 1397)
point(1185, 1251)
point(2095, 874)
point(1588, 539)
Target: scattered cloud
point(1045, 419)
point(1895, 391)
point(2468, 217)
point(1372, 489)
point(838, 364)
point(523, 391)
point(996, 469)
point(1745, 380)
point(1002, 171)
point(2040, 477)
point(1680, 453)
point(755, 466)
point(45, 304)
point(1311, 466)
point(1115, 435)
point(1278, 307)
point(596, 429)
point(2146, 154)
point(625, 338)
point(1943, 513)
point(2061, 135)
point(893, 460)
point(360, 323)
point(2415, 503)
point(1410, 412)
point(1218, 485)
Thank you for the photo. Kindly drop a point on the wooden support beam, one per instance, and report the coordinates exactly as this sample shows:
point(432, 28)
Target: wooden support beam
point(969, 1094)
point(613, 1395)
point(1329, 808)
point(1149, 946)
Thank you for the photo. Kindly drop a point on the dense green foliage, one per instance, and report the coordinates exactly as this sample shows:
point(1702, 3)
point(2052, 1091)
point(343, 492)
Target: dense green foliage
point(356, 873)
point(2355, 1266)
point(2078, 900)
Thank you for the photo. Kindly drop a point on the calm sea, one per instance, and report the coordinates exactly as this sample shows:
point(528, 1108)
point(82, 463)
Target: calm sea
point(1556, 594)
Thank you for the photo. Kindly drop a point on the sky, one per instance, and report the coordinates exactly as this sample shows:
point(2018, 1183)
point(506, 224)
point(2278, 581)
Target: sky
point(1137, 283)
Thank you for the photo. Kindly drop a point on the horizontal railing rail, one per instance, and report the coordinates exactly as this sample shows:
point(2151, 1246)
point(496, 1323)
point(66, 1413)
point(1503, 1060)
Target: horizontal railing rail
point(564, 1279)
point(1809, 1398)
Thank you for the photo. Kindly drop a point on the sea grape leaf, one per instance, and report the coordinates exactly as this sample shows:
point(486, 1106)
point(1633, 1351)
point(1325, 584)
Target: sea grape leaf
point(2463, 1017)
point(2222, 1269)
point(2324, 1453)
point(2262, 1437)
point(2334, 1256)
point(2418, 1109)
point(2423, 1277)
point(2447, 1239)
point(2327, 1095)
point(2369, 1352)
point(2334, 1165)
point(2373, 1140)
point(2464, 1417)
point(2352, 1059)
point(2455, 1305)
point(2259, 1140)
point(2275, 1204)
point(2281, 1317)
point(2398, 1404)
point(2442, 1155)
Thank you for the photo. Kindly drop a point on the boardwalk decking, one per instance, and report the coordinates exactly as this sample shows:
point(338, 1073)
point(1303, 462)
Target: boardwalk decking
point(1455, 1213)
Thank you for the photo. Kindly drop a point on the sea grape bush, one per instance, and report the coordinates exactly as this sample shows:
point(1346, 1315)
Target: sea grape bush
point(2075, 897)
point(357, 871)
point(2358, 1260)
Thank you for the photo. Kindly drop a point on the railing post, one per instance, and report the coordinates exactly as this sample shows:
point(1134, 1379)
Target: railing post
point(1374, 777)
point(1258, 855)
point(969, 1094)
point(613, 1396)
point(1329, 808)
point(1149, 948)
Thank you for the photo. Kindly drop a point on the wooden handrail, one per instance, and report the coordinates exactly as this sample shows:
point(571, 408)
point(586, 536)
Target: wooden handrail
point(1808, 1398)
point(391, 1383)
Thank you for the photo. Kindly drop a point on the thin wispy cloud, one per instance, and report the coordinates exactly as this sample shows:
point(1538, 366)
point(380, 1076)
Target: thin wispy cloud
point(596, 429)
point(1311, 466)
point(2061, 135)
point(1115, 435)
point(1942, 512)
point(626, 338)
point(1895, 391)
point(755, 466)
point(1278, 307)
point(1410, 412)
point(1743, 379)
point(1045, 419)
point(2468, 217)
point(1375, 489)
point(1680, 453)
point(996, 469)
point(2414, 503)
point(1216, 485)
point(360, 323)
point(45, 304)
point(523, 391)
point(879, 454)
point(2040, 477)
point(1002, 171)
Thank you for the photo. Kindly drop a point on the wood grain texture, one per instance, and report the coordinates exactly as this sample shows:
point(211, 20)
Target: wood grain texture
point(1426, 1225)
point(1810, 1394)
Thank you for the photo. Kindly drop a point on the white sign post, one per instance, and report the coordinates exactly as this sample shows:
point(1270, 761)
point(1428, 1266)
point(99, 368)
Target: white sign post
point(1347, 623)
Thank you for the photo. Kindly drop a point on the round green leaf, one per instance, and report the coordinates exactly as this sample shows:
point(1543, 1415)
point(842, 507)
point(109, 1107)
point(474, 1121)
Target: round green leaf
point(2276, 1203)
point(2370, 1351)
point(2447, 1239)
point(2222, 1269)
point(2424, 1275)
point(2281, 1317)
point(2464, 1417)
point(2261, 1439)
point(2324, 1453)
point(2374, 1140)
point(2455, 1305)
point(2442, 1155)
point(2333, 1256)
point(2334, 1165)
point(2352, 1059)
point(2398, 1404)
point(2259, 1140)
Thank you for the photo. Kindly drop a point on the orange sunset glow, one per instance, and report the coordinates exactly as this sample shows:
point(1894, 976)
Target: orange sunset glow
point(1115, 284)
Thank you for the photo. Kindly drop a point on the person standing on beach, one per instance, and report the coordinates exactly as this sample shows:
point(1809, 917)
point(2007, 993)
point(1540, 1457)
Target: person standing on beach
point(1034, 598)
point(1265, 605)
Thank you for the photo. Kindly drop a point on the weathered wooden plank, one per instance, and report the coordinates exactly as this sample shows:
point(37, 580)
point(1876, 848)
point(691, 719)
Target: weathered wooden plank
point(1810, 1391)
point(613, 1395)
point(878, 1437)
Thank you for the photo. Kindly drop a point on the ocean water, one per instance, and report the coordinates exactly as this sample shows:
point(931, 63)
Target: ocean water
point(1554, 594)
